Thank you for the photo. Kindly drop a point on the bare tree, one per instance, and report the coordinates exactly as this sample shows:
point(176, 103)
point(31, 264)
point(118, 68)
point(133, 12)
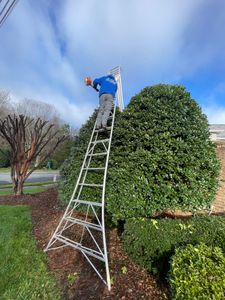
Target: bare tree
point(37, 109)
point(27, 139)
point(46, 112)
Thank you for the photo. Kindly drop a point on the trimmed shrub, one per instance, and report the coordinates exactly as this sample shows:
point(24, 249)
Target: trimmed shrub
point(151, 243)
point(198, 272)
point(162, 157)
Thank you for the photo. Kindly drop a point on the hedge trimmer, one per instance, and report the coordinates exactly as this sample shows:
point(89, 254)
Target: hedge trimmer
point(88, 82)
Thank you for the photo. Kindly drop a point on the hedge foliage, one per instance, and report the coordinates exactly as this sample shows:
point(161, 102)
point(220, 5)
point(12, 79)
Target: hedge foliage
point(162, 157)
point(198, 272)
point(71, 167)
point(151, 243)
point(62, 153)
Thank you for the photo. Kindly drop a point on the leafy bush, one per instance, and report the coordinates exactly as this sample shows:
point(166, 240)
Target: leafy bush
point(4, 158)
point(198, 272)
point(151, 243)
point(162, 157)
point(62, 153)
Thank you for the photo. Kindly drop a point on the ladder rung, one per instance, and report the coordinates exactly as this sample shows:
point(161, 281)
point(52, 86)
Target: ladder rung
point(84, 223)
point(88, 202)
point(93, 169)
point(91, 184)
point(78, 246)
point(100, 141)
point(103, 129)
point(98, 154)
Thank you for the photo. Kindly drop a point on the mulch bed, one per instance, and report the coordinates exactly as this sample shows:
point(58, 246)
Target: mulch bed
point(134, 283)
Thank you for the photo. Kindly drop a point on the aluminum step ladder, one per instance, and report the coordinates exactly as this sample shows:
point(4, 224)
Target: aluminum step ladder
point(76, 228)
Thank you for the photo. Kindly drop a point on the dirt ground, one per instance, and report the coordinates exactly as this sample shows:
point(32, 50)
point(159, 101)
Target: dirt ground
point(76, 278)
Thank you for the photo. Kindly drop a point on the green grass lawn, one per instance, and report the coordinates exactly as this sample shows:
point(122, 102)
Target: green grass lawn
point(4, 170)
point(7, 170)
point(29, 190)
point(23, 272)
point(9, 185)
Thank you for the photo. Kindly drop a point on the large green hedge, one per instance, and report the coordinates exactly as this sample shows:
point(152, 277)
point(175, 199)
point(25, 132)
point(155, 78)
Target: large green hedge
point(152, 242)
point(162, 157)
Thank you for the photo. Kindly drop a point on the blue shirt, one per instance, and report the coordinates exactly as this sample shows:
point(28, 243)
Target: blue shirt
point(107, 85)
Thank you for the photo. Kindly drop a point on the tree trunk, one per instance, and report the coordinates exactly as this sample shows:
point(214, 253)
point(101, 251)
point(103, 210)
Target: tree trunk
point(18, 187)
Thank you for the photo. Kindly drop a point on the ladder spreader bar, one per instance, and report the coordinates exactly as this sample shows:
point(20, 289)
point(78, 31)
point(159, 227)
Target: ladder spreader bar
point(78, 246)
point(84, 223)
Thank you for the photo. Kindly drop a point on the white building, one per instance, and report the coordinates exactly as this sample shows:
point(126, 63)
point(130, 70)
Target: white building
point(217, 132)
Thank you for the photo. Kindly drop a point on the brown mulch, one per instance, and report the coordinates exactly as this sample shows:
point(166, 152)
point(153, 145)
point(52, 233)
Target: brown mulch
point(134, 283)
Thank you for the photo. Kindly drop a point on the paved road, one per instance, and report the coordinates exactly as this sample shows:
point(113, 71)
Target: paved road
point(34, 177)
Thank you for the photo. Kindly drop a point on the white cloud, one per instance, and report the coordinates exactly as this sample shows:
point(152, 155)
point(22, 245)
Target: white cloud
point(215, 114)
point(147, 35)
point(50, 46)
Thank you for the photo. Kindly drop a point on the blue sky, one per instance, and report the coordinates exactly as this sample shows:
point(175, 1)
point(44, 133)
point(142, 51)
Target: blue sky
point(48, 47)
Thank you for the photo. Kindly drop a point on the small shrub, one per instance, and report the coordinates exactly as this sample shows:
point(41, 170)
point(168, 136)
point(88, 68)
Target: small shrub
point(198, 272)
point(51, 164)
point(151, 243)
point(55, 164)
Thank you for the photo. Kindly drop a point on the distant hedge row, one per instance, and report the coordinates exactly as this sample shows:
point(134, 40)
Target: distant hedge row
point(4, 157)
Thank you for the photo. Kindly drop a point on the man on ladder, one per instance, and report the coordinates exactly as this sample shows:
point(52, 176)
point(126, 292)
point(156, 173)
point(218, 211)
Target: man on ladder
point(93, 246)
point(107, 92)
